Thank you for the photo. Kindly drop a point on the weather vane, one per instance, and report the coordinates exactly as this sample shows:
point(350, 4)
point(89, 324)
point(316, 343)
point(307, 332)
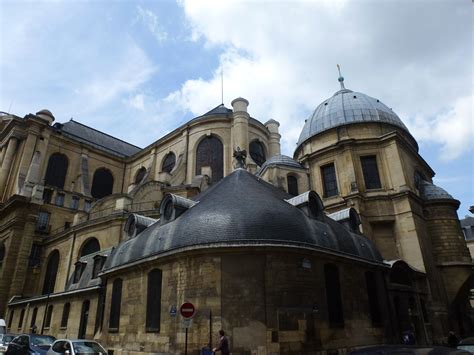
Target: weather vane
point(341, 78)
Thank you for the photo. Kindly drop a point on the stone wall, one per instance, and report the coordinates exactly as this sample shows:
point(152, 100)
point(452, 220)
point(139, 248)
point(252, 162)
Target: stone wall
point(266, 301)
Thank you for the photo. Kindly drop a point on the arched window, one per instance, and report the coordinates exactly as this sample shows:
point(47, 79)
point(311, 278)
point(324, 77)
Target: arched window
point(115, 304)
point(84, 319)
point(333, 295)
point(56, 170)
point(22, 316)
point(33, 317)
point(153, 301)
point(90, 246)
point(292, 185)
point(49, 314)
point(210, 153)
point(65, 316)
point(51, 272)
point(10, 319)
point(372, 293)
point(257, 152)
point(168, 163)
point(102, 183)
point(140, 175)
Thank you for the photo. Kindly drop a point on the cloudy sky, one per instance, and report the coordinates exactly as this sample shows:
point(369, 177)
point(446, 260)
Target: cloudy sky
point(138, 69)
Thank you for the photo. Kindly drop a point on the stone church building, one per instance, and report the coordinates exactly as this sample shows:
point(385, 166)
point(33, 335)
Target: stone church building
point(347, 243)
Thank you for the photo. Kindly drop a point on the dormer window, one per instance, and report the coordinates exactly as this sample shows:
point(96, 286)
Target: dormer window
point(99, 261)
point(80, 267)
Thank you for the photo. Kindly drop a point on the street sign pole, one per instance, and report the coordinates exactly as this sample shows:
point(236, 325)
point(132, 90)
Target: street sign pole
point(186, 343)
point(187, 311)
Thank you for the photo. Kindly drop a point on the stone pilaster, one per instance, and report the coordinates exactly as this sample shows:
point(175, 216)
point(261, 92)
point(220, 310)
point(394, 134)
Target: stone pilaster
point(25, 161)
point(7, 163)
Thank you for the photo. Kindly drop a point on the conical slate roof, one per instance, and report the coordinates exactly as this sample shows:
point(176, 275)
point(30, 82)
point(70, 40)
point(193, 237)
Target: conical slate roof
point(242, 210)
point(430, 191)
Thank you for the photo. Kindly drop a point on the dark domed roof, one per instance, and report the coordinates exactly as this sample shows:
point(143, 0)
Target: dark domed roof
point(242, 210)
point(430, 191)
point(347, 107)
point(280, 160)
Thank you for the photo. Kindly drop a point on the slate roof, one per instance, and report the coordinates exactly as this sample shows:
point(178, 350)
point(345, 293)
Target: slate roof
point(280, 160)
point(84, 134)
point(348, 107)
point(218, 110)
point(467, 225)
point(430, 191)
point(242, 210)
point(86, 279)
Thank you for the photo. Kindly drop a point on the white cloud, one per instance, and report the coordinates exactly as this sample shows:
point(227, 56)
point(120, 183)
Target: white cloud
point(137, 101)
point(150, 20)
point(453, 129)
point(282, 57)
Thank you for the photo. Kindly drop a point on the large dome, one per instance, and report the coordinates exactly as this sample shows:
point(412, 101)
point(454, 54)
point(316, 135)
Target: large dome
point(347, 107)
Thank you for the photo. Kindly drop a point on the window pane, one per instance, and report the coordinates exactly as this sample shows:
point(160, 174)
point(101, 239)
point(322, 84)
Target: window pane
point(35, 253)
point(75, 202)
point(43, 221)
point(371, 172)
point(372, 293)
point(56, 170)
point(47, 195)
point(210, 153)
point(51, 272)
point(292, 185)
point(168, 163)
point(59, 199)
point(257, 152)
point(102, 183)
point(140, 175)
point(33, 317)
point(328, 173)
point(49, 314)
point(20, 321)
point(333, 295)
point(65, 316)
point(114, 319)
point(153, 308)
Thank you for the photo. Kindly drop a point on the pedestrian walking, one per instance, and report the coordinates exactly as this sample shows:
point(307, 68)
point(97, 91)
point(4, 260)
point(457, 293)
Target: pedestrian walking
point(223, 346)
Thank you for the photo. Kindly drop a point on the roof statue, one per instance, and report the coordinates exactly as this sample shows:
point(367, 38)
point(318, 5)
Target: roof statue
point(240, 157)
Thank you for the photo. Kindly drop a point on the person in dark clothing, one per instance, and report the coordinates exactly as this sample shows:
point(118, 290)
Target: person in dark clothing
point(223, 346)
point(453, 340)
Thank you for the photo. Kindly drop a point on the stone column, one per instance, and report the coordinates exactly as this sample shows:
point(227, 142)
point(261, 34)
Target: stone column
point(240, 130)
point(7, 162)
point(274, 141)
point(32, 176)
point(27, 156)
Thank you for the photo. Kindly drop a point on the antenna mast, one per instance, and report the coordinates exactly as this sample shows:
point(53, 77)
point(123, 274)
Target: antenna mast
point(222, 84)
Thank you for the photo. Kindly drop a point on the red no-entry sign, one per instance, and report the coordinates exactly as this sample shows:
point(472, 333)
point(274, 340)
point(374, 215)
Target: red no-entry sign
point(187, 310)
